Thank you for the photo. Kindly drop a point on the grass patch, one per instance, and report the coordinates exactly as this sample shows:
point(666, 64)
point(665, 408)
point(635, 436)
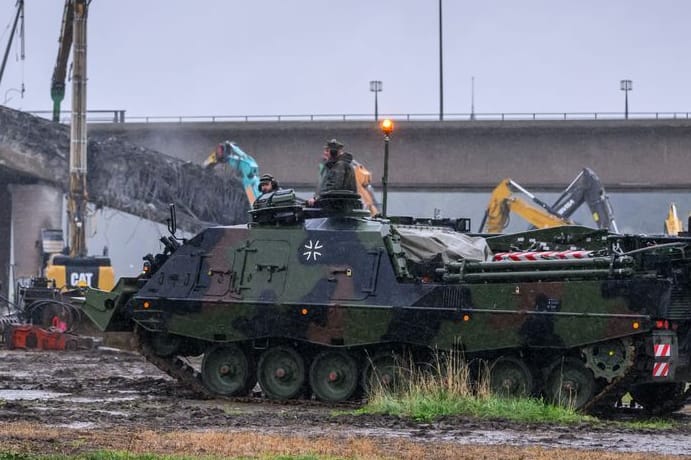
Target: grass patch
point(448, 387)
point(424, 406)
point(655, 424)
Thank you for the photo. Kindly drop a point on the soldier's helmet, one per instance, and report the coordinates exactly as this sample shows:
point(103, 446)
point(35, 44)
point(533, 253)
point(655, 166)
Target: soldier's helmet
point(334, 146)
point(268, 178)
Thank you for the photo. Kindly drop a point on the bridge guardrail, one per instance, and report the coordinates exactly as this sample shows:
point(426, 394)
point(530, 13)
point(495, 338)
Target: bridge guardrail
point(118, 116)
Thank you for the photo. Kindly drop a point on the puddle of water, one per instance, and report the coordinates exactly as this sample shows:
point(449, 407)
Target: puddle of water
point(29, 395)
point(83, 400)
point(671, 444)
point(78, 425)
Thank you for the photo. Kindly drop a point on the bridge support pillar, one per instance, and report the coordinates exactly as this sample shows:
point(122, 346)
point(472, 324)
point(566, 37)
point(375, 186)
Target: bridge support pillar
point(33, 207)
point(5, 231)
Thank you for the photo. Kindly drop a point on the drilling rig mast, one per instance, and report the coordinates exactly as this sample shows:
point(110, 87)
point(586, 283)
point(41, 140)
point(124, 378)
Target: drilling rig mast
point(77, 198)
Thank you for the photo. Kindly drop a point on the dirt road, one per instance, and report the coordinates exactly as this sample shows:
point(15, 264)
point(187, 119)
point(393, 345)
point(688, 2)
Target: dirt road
point(113, 391)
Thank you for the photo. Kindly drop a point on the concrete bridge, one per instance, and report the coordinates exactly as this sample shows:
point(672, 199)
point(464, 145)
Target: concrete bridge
point(630, 155)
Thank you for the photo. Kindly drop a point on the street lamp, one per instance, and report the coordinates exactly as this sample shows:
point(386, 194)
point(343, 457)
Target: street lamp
point(441, 68)
point(387, 128)
point(375, 86)
point(626, 86)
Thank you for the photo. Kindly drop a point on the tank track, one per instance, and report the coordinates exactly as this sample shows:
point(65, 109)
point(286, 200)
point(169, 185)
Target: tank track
point(608, 398)
point(175, 367)
point(184, 373)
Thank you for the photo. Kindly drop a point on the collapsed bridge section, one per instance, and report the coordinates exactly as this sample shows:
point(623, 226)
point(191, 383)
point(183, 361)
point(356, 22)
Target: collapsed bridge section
point(121, 175)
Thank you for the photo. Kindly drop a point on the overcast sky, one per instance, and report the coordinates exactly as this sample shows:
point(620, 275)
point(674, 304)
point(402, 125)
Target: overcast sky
point(174, 57)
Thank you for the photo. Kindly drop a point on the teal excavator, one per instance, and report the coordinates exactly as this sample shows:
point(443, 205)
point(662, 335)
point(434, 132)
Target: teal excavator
point(229, 153)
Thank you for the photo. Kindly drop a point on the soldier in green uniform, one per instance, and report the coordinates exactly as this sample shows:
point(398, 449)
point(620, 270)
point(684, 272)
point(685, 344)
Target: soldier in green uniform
point(337, 171)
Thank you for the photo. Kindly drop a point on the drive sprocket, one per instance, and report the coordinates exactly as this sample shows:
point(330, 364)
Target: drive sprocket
point(611, 359)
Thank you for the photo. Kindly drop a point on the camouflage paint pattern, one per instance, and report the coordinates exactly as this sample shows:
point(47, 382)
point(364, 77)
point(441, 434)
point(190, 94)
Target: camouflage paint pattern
point(342, 282)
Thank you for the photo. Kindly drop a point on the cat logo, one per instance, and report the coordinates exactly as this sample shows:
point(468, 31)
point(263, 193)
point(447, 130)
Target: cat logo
point(81, 279)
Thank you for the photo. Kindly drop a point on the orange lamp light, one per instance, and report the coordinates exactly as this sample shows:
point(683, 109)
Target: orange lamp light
point(386, 126)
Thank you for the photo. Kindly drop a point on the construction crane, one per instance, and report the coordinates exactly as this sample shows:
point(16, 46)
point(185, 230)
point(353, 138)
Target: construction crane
point(57, 85)
point(19, 15)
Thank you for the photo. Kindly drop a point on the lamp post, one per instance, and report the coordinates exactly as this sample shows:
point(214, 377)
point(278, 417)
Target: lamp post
point(441, 68)
point(387, 128)
point(376, 86)
point(472, 98)
point(626, 86)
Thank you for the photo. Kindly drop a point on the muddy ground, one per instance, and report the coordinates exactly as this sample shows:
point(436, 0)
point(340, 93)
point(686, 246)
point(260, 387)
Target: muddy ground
point(108, 390)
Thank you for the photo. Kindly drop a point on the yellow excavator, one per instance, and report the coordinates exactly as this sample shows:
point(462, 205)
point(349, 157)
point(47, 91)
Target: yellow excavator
point(76, 269)
point(510, 197)
point(674, 225)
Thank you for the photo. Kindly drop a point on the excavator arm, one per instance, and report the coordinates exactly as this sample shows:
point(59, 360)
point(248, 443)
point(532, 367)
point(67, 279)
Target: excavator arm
point(246, 166)
point(363, 179)
point(57, 85)
point(504, 201)
point(586, 188)
point(673, 224)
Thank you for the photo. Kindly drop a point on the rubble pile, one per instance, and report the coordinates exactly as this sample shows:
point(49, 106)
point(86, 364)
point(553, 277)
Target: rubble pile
point(121, 175)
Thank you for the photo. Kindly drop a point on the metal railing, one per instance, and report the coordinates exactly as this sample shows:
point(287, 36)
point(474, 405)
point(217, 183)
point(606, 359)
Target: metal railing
point(118, 116)
point(92, 116)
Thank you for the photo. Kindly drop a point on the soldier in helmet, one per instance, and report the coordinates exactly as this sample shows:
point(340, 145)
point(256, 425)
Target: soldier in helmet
point(267, 184)
point(337, 172)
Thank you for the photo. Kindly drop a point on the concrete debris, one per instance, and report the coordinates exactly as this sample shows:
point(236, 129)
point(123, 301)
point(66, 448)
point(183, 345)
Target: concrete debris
point(121, 175)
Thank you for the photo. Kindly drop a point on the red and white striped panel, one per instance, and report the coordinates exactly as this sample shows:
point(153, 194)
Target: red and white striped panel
point(662, 350)
point(541, 255)
point(660, 369)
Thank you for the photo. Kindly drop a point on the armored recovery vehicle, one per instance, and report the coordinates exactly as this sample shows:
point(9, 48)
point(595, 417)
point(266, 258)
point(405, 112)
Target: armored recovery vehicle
point(324, 301)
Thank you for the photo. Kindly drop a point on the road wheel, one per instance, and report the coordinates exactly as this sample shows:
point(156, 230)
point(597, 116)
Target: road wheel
point(164, 344)
point(226, 371)
point(510, 377)
point(569, 383)
point(281, 373)
point(384, 371)
point(334, 376)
